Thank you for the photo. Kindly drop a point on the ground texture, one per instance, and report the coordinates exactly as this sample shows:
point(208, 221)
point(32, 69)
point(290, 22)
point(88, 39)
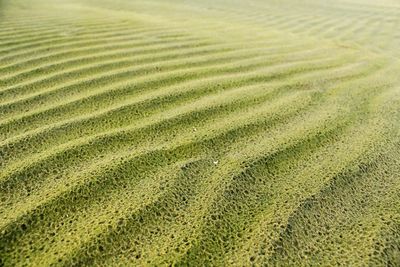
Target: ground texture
point(199, 133)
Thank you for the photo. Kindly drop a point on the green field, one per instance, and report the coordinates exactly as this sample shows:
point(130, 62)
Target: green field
point(199, 133)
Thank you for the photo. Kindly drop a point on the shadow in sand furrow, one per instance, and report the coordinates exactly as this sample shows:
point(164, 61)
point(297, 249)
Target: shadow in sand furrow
point(16, 78)
point(75, 70)
point(30, 43)
point(134, 188)
point(274, 73)
point(99, 76)
point(211, 145)
point(140, 227)
point(144, 256)
point(127, 114)
point(81, 33)
point(104, 145)
point(60, 54)
point(65, 67)
point(99, 185)
point(153, 245)
point(245, 198)
point(114, 119)
point(352, 199)
point(218, 241)
point(140, 47)
point(139, 69)
point(164, 129)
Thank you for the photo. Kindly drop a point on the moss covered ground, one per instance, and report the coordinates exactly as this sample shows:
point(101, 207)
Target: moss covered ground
point(199, 133)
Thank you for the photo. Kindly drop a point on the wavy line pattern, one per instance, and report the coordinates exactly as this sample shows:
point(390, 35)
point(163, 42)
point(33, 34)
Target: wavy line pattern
point(199, 133)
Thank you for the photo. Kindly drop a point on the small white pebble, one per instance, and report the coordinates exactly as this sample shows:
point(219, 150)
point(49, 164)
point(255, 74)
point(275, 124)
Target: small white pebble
point(215, 162)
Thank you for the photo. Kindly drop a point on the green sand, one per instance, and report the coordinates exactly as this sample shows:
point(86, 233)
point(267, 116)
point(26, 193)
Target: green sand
point(199, 133)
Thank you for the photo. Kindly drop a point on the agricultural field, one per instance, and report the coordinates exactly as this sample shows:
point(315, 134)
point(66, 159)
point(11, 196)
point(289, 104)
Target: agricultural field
point(199, 133)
